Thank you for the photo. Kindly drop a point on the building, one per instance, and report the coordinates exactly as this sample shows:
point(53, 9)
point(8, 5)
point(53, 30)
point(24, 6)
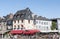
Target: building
point(43, 24)
point(3, 28)
point(3, 25)
point(57, 24)
point(26, 22)
point(9, 21)
point(23, 23)
point(23, 20)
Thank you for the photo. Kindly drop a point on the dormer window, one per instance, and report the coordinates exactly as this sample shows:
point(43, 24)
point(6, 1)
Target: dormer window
point(29, 16)
point(27, 9)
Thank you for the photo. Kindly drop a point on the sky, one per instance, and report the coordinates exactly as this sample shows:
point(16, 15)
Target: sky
point(45, 8)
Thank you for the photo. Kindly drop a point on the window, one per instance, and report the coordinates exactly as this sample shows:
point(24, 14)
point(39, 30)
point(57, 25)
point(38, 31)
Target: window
point(39, 26)
point(14, 27)
point(18, 21)
point(18, 16)
point(9, 22)
point(29, 16)
point(18, 27)
point(22, 27)
point(15, 21)
point(22, 21)
point(36, 22)
point(47, 28)
point(39, 22)
point(4, 23)
point(45, 23)
point(28, 21)
point(42, 23)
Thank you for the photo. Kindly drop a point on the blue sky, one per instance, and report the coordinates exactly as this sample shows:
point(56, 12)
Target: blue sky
point(45, 8)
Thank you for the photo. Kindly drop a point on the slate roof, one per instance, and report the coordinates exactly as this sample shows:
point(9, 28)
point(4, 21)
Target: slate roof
point(7, 17)
point(41, 18)
point(23, 14)
point(55, 18)
point(27, 14)
point(2, 20)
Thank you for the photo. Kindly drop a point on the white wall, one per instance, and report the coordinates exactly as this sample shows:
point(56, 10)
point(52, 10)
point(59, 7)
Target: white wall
point(58, 24)
point(43, 25)
point(39, 25)
point(25, 24)
point(3, 25)
point(29, 25)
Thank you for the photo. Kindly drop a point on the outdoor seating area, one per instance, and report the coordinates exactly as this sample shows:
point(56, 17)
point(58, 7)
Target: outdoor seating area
point(36, 36)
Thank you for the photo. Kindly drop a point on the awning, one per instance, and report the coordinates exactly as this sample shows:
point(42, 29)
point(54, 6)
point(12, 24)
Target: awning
point(24, 31)
point(34, 31)
point(16, 32)
point(30, 32)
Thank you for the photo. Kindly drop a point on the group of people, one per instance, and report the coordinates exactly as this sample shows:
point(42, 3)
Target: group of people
point(47, 36)
point(55, 36)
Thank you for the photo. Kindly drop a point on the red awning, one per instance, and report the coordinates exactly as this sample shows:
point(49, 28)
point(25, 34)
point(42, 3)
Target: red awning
point(24, 31)
point(16, 32)
point(30, 31)
point(34, 31)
